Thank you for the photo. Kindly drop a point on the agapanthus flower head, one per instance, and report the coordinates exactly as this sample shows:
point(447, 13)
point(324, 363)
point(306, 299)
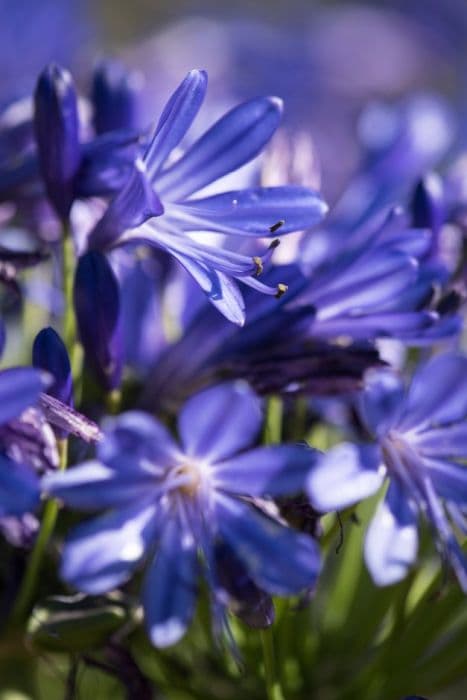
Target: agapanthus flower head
point(171, 502)
point(157, 206)
point(419, 445)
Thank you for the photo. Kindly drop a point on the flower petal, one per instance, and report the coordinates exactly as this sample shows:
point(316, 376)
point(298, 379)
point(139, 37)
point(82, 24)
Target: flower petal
point(391, 541)
point(137, 442)
point(20, 387)
point(345, 475)
point(19, 488)
point(278, 559)
point(233, 141)
point(252, 212)
point(220, 421)
point(102, 554)
point(381, 400)
point(134, 203)
point(449, 480)
point(274, 470)
point(438, 393)
point(449, 441)
point(169, 592)
point(176, 119)
point(92, 485)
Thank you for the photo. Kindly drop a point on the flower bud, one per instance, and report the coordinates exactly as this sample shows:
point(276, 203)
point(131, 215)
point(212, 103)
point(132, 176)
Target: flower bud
point(56, 128)
point(97, 307)
point(49, 353)
point(74, 623)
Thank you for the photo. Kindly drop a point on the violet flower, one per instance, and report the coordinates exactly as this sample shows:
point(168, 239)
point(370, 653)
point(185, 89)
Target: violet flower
point(180, 501)
point(157, 207)
point(20, 388)
point(420, 444)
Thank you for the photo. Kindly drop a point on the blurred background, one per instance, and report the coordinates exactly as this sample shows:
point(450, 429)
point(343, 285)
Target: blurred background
point(337, 65)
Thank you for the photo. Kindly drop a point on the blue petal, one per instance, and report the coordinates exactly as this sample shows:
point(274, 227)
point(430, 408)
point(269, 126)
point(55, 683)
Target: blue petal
point(92, 486)
point(345, 475)
point(381, 400)
point(278, 559)
point(221, 290)
point(19, 488)
point(136, 441)
point(370, 325)
point(233, 141)
point(102, 554)
point(449, 480)
point(450, 441)
point(220, 421)
point(438, 393)
point(20, 387)
point(176, 119)
point(275, 470)
point(254, 211)
point(391, 541)
point(169, 593)
point(132, 205)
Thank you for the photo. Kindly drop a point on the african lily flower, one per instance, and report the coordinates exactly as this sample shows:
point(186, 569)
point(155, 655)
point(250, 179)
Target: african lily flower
point(420, 442)
point(157, 205)
point(187, 506)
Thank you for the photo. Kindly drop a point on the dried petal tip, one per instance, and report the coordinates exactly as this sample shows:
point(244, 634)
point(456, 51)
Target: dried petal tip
point(56, 129)
point(281, 290)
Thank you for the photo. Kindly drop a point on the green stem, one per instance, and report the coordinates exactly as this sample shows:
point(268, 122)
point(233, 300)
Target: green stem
point(27, 591)
point(68, 276)
point(273, 425)
point(273, 687)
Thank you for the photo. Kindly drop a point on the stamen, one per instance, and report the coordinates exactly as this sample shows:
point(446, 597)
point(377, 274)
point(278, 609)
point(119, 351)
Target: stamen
point(281, 290)
point(258, 263)
point(275, 227)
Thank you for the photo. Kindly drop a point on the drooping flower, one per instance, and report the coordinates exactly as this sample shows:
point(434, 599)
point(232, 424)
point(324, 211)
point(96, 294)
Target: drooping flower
point(170, 503)
point(420, 444)
point(157, 205)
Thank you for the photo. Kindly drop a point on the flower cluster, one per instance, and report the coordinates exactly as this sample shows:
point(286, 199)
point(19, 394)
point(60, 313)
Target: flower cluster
point(136, 242)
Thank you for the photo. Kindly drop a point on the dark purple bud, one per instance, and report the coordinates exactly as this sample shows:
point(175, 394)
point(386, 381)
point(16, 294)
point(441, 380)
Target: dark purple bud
point(97, 307)
point(49, 353)
point(428, 206)
point(57, 135)
point(116, 97)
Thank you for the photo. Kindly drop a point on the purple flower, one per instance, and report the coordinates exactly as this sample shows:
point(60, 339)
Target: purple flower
point(157, 206)
point(20, 388)
point(420, 444)
point(179, 501)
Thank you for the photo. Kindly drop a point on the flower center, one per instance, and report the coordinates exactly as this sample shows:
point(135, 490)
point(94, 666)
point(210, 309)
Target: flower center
point(191, 475)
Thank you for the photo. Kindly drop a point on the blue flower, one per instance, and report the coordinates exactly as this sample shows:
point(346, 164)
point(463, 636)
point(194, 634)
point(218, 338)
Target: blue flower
point(420, 442)
point(169, 503)
point(20, 388)
point(157, 206)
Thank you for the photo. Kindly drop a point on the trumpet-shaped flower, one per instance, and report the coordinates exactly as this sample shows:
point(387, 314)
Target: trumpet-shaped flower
point(157, 205)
